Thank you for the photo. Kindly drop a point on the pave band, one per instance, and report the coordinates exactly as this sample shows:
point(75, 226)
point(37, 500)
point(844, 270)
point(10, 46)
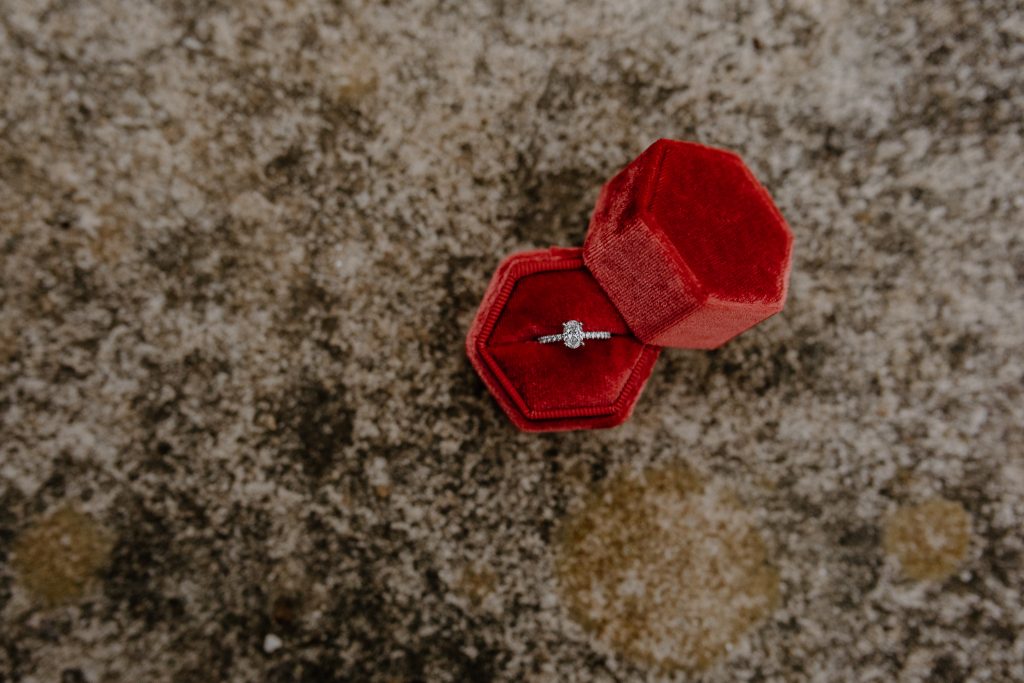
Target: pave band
point(551, 338)
point(573, 335)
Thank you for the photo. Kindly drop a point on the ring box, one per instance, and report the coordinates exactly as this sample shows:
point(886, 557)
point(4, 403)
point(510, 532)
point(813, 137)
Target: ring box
point(685, 249)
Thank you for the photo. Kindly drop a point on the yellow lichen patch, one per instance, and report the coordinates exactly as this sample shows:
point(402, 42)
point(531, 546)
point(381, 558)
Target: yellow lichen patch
point(930, 539)
point(361, 83)
point(478, 581)
point(664, 569)
point(110, 241)
point(57, 556)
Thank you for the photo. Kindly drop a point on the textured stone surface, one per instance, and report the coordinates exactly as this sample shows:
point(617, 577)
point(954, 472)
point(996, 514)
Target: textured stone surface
point(241, 244)
point(664, 568)
point(929, 540)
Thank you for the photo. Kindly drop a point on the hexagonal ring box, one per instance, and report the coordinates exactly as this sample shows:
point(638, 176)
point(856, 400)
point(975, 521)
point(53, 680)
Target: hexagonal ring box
point(685, 249)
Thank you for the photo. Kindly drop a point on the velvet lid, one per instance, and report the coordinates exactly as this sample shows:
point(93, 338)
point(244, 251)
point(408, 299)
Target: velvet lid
point(689, 246)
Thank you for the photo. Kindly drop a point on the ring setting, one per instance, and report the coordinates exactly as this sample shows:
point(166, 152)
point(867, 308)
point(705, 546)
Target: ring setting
point(573, 335)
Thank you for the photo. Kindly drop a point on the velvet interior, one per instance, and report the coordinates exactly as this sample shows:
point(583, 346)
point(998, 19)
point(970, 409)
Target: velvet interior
point(549, 386)
point(540, 302)
point(550, 376)
point(689, 246)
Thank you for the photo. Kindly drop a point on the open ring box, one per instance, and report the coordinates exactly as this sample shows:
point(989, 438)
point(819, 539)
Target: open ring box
point(685, 249)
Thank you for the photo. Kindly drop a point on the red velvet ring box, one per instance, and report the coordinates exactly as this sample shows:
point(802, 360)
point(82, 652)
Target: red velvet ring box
point(685, 248)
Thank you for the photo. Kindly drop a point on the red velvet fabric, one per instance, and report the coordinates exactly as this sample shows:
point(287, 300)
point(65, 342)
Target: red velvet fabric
point(689, 246)
point(685, 248)
point(545, 387)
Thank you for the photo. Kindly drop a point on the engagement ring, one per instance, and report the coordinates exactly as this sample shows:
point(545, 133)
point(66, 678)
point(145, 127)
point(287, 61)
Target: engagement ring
point(573, 335)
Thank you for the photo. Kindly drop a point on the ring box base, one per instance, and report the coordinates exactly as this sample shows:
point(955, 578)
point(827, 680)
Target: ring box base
point(549, 387)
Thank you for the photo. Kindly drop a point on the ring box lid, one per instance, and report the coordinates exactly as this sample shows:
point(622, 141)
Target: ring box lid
point(689, 246)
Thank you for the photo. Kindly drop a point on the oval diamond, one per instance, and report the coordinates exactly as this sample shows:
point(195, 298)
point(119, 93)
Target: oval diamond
point(572, 334)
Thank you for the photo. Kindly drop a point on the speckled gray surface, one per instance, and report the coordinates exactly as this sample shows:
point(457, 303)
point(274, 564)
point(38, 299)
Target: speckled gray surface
point(239, 440)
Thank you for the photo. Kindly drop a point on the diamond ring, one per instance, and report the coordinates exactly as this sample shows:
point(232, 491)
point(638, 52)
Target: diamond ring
point(573, 335)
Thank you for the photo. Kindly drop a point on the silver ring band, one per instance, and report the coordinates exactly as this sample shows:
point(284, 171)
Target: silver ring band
point(572, 335)
point(551, 338)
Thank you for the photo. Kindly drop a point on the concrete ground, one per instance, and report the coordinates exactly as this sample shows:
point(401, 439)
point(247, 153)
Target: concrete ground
point(241, 244)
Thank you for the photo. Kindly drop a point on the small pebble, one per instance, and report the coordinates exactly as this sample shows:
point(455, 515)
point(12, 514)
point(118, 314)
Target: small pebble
point(271, 644)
